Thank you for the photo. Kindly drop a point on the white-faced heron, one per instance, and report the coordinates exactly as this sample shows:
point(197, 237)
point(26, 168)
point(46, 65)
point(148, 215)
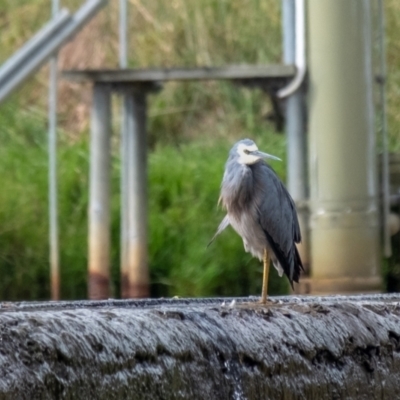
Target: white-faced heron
point(261, 211)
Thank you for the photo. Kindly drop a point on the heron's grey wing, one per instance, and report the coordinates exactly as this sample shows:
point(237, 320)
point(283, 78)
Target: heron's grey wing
point(224, 223)
point(278, 219)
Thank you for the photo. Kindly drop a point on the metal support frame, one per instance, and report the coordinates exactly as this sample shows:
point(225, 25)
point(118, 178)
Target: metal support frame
point(297, 180)
point(134, 256)
point(134, 252)
point(99, 201)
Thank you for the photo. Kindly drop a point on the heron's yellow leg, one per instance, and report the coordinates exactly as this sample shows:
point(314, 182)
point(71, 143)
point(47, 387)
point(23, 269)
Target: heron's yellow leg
point(265, 278)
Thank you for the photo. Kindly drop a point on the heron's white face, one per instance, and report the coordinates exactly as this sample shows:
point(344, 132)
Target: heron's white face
point(246, 155)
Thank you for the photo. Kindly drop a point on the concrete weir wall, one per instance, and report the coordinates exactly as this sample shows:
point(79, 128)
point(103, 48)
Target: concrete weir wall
point(295, 348)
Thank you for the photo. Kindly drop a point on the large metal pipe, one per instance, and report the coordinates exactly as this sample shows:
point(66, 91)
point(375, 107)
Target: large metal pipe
point(99, 194)
point(344, 201)
point(295, 130)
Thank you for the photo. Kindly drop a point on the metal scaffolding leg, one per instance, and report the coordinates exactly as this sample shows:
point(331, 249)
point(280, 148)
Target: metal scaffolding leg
point(134, 258)
point(99, 201)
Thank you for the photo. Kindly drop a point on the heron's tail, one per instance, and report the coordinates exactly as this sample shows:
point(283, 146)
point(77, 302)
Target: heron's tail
point(298, 265)
point(224, 223)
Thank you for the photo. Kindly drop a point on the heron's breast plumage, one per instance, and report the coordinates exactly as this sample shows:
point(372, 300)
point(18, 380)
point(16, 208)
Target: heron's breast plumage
point(241, 201)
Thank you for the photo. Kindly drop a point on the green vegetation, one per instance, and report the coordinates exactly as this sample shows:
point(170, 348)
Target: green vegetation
point(191, 128)
point(184, 187)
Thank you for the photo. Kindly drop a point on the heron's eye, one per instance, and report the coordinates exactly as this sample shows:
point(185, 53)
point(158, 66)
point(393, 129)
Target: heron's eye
point(246, 151)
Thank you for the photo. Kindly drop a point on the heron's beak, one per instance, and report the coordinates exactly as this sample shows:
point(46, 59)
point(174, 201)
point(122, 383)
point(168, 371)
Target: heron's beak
point(260, 154)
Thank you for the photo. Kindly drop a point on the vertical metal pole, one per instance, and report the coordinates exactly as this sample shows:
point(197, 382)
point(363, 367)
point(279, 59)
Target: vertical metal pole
point(344, 201)
point(135, 275)
point(123, 33)
point(99, 201)
point(52, 150)
point(387, 244)
point(125, 153)
point(289, 31)
point(296, 135)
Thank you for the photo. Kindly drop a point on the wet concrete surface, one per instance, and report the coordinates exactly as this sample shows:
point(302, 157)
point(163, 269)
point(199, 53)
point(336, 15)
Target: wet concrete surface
point(295, 348)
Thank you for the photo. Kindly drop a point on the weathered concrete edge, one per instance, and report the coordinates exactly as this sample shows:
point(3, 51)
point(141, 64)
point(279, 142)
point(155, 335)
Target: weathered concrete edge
point(204, 301)
point(331, 348)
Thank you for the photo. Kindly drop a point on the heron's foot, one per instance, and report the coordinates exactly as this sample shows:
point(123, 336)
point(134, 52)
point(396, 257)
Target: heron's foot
point(256, 304)
point(263, 300)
